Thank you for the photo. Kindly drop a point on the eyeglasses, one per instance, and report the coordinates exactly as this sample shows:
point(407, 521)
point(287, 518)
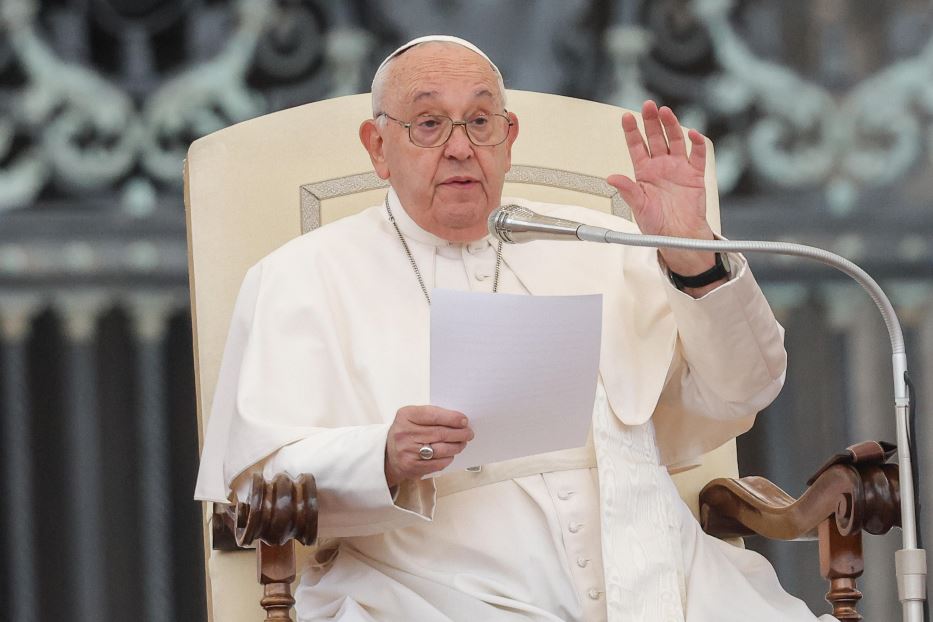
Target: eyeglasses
point(434, 130)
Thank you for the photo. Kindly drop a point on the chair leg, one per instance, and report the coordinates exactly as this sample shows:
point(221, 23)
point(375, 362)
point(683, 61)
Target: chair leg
point(841, 563)
point(276, 565)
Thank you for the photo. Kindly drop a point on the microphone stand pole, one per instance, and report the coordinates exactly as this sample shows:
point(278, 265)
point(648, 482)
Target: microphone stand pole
point(910, 561)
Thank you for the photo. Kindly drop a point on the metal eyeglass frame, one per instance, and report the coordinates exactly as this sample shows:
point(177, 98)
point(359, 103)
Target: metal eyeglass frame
point(453, 125)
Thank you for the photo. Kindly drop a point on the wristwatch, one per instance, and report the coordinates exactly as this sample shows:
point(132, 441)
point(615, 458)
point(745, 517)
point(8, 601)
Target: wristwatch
point(719, 271)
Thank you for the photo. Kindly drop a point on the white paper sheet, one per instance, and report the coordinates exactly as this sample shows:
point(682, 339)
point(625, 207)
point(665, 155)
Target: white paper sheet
point(521, 368)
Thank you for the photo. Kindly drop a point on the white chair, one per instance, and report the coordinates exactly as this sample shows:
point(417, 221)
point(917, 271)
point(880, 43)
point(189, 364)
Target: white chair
point(251, 187)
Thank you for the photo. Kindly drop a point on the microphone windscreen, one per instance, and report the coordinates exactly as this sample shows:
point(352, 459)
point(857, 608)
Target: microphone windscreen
point(496, 224)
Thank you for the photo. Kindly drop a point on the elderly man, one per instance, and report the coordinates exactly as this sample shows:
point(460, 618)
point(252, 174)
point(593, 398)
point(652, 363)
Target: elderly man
point(326, 372)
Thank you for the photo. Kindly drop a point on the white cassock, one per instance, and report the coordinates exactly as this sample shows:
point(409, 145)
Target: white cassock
point(330, 337)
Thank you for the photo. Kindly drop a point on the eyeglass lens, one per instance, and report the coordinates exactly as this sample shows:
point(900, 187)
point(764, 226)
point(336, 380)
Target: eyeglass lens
point(434, 130)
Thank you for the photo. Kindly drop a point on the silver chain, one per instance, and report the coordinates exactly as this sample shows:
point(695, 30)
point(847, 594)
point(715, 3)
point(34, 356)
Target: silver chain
point(414, 265)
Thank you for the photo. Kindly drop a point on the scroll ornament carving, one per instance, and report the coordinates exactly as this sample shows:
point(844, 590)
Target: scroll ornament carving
point(74, 128)
point(843, 141)
point(800, 135)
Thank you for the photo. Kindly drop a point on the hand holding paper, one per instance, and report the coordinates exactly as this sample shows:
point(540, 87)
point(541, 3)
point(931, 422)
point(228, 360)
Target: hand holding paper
point(522, 368)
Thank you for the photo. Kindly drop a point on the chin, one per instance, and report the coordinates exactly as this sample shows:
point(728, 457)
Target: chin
point(462, 215)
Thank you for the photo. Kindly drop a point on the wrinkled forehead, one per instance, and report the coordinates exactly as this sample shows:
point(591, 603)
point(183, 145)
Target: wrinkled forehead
point(431, 71)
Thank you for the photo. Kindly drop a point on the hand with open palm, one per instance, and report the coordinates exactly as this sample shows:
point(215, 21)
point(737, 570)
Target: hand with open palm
point(668, 194)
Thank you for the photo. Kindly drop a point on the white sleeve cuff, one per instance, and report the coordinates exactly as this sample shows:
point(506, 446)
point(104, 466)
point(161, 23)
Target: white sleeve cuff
point(738, 265)
point(348, 465)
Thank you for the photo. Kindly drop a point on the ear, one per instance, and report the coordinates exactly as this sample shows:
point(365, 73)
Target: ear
point(513, 134)
point(374, 146)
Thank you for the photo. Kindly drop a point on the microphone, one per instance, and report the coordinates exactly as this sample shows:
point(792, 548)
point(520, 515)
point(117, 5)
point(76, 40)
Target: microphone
point(516, 224)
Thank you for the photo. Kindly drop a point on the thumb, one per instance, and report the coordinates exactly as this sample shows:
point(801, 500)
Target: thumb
point(630, 191)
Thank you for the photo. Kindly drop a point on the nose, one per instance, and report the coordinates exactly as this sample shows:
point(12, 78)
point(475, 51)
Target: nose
point(458, 146)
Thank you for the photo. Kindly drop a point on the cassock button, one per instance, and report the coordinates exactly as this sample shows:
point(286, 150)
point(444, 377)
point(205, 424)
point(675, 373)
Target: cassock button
point(480, 276)
point(594, 594)
point(563, 495)
point(574, 527)
point(582, 562)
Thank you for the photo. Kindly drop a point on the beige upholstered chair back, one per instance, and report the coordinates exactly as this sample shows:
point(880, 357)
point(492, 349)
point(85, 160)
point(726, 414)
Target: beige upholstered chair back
point(251, 187)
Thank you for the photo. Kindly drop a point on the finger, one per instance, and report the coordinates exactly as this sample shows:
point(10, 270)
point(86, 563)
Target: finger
point(630, 191)
point(446, 450)
point(675, 134)
point(440, 434)
point(637, 150)
point(697, 157)
point(408, 462)
point(657, 144)
point(434, 415)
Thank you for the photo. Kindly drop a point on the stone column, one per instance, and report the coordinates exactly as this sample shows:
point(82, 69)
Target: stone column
point(15, 445)
point(150, 314)
point(923, 382)
point(84, 489)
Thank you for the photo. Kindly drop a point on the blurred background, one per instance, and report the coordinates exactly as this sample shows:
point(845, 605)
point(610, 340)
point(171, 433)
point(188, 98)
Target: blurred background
point(820, 111)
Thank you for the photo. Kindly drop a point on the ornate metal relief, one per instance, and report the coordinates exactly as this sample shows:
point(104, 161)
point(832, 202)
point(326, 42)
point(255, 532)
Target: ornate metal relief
point(99, 100)
point(788, 129)
point(108, 96)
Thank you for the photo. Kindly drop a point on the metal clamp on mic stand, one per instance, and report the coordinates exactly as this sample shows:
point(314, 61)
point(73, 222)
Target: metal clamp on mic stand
point(514, 224)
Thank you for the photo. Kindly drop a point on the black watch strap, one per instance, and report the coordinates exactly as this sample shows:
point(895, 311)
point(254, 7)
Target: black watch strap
point(718, 272)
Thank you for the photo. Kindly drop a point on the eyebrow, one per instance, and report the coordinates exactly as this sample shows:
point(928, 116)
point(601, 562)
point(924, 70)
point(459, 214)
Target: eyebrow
point(480, 92)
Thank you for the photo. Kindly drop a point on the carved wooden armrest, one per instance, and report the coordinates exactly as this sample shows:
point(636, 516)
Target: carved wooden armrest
point(855, 491)
point(277, 513)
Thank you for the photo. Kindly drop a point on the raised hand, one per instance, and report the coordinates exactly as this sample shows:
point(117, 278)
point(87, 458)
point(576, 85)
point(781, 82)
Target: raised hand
point(668, 194)
point(446, 431)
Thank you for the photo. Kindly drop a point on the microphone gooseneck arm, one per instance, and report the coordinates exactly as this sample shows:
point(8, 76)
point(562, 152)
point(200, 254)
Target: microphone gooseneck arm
point(896, 335)
point(514, 224)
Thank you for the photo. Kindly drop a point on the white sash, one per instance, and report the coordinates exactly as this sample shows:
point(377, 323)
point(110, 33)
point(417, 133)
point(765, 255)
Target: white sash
point(642, 557)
